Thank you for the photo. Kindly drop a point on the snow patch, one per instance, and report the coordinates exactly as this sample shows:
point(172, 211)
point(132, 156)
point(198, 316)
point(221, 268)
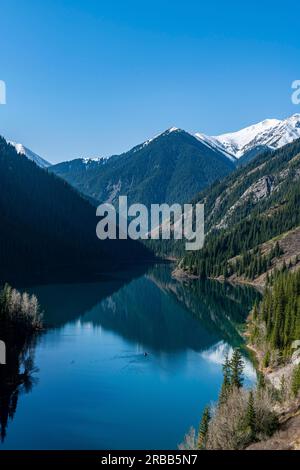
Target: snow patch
point(272, 133)
point(22, 150)
point(212, 142)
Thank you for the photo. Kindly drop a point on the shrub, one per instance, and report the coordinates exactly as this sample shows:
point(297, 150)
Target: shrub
point(244, 418)
point(19, 310)
point(296, 380)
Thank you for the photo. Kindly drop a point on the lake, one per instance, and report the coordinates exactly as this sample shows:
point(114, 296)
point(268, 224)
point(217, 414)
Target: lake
point(92, 386)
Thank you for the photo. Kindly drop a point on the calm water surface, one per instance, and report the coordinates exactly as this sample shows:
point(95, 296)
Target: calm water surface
point(91, 386)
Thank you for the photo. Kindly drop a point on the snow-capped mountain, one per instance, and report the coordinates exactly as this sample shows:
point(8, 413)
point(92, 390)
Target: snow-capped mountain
point(213, 143)
point(103, 159)
point(247, 143)
point(170, 167)
point(149, 141)
point(271, 133)
point(30, 155)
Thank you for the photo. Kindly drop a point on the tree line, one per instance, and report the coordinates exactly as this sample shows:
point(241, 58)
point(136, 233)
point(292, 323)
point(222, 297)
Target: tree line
point(276, 319)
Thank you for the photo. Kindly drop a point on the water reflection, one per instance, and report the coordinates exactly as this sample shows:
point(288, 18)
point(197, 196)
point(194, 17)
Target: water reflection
point(92, 366)
point(162, 314)
point(17, 376)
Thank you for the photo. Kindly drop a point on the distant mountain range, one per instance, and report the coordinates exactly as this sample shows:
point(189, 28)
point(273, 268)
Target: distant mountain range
point(46, 225)
point(171, 167)
point(268, 134)
point(175, 165)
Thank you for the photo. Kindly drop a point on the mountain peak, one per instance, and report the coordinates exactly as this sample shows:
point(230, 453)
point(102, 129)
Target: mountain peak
point(268, 122)
point(173, 129)
point(171, 167)
point(162, 134)
point(213, 143)
point(22, 150)
point(294, 117)
point(270, 133)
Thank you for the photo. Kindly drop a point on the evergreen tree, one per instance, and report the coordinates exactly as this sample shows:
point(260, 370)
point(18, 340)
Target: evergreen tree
point(48, 229)
point(203, 428)
point(255, 311)
point(226, 381)
point(251, 416)
point(261, 383)
point(266, 361)
point(279, 318)
point(249, 225)
point(296, 380)
point(280, 313)
point(236, 369)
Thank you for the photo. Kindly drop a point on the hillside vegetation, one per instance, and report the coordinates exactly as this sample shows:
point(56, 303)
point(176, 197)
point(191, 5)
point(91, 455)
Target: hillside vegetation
point(275, 323)
point(170, 168)
point(250, 207)
point(47, 227)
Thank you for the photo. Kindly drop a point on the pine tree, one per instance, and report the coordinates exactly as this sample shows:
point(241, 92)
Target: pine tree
point(251, 416)
point(296, 380)
point(261, 383)
point(279, 318)
point(255, 311)
point(236, 369)
point(226, 381)
point(266, 361)
point(203, 428)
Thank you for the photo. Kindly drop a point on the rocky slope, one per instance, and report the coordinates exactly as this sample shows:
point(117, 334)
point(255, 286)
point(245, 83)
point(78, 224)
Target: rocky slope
point(250, 207)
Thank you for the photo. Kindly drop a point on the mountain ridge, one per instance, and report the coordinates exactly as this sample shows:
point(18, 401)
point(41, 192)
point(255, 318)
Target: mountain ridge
point(34, 157)
point(248, 208)
point(269, 134)
point(170, 167)
point(48, 228)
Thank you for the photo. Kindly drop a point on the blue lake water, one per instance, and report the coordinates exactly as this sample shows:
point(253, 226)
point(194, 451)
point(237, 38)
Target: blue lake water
point(92, 386)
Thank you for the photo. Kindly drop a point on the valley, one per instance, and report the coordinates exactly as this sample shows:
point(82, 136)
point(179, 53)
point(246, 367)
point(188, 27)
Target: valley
point(91, 381)
point(94, 291)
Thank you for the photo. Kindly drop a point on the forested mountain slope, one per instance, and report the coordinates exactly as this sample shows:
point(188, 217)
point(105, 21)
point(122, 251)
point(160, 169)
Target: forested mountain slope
point(253, 205)
point(170, 168)
point(47, 227)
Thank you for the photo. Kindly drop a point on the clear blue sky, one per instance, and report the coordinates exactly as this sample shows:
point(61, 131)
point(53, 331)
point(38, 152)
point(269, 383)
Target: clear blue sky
point(92, 77)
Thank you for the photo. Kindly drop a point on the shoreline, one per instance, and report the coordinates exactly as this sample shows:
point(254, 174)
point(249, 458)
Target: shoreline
point(180, 274)
point(287, 437)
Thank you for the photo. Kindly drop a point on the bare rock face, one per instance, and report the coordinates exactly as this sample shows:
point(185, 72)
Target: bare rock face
point(113, 191)
point(261, 189)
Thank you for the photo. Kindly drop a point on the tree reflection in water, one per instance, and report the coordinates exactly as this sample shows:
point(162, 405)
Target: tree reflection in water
point(17, 375)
